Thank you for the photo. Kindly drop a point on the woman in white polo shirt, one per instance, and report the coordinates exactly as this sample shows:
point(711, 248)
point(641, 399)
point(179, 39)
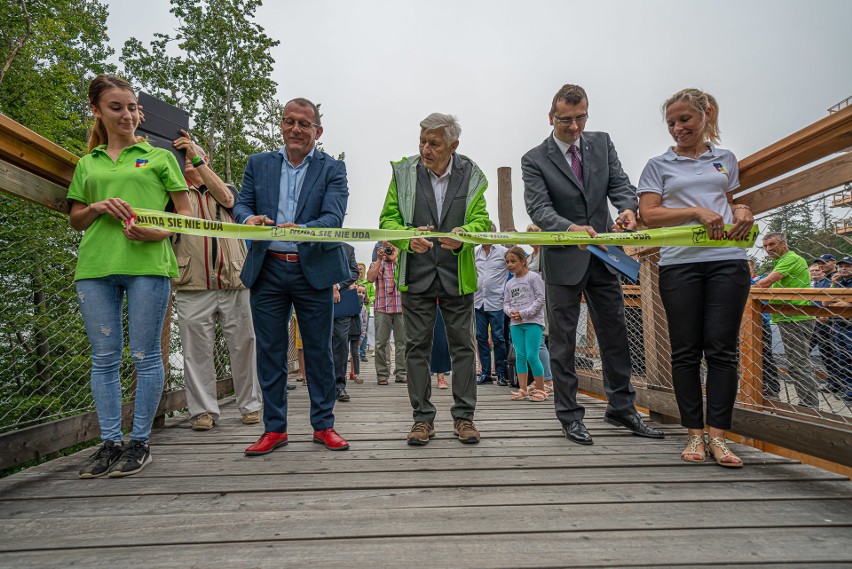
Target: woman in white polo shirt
point(704, 289)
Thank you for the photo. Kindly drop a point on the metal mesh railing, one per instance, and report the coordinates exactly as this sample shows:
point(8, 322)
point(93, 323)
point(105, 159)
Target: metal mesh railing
point(45, 359)
point(772, 378)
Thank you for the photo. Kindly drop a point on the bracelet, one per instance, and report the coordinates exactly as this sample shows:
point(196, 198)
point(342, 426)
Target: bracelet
point(740, 206)
point(198, 161)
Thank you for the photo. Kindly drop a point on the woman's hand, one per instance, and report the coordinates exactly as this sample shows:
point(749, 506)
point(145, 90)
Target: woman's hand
point(115, 207)
point(136, 233)
point(712, 221)
point(514, 315)
point(743, 222)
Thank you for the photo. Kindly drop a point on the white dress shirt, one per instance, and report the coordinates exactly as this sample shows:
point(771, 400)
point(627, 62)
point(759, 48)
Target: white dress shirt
point(440, 184)
point(491, 274)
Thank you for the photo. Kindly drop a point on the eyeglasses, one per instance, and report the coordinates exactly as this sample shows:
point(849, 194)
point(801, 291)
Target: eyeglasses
point(289, 123)
point(568, 120)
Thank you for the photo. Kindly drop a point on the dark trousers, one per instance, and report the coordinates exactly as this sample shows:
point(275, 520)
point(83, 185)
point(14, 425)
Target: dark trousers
point(823, 340)
point(771, 386)
point(602, 290)
point(494, 319)
point(340, 348)
point(354, 347)
point(279, 287)
point(418, 310)
point(704, 305)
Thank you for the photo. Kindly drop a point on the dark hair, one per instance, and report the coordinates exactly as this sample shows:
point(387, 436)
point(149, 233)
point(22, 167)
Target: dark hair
point(517, 252)
point(100, 85)
point(571, 94)
point(305, 103)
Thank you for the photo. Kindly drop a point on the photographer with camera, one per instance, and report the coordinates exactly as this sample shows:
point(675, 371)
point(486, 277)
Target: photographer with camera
point(388, 313)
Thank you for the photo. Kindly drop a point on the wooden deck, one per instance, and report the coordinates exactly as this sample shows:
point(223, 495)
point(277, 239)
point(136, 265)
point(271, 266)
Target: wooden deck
point(524, 497)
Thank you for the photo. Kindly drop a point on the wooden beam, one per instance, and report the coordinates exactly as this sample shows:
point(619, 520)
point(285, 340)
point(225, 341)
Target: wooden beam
point(41, 440)
point(32, 187)
point(818, 311)
point(30, 151)
point(505, 213)
point(801, 185)
point(818, 140)
point(821, 294)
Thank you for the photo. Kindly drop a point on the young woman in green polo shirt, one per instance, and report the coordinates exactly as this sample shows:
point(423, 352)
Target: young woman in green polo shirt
point(117, 258)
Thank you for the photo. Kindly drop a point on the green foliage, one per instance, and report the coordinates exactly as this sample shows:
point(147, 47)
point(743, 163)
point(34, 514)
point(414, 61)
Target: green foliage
point(45, 85)
point(221, 75)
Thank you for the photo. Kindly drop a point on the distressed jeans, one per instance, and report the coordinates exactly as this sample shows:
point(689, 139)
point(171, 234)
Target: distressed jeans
point(101, 304)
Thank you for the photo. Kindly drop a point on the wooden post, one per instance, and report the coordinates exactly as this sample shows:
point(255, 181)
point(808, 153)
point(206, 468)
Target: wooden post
point(658, 365)
point(504, 199)
point(750, 394)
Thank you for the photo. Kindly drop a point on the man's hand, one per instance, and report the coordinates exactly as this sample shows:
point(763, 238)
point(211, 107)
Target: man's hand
point(336, 294)
point(626, 221)
point(449, 243)
point(588, 229)
point(289, 225)
point(185, 143)
point(419, 244)
point(259, 220)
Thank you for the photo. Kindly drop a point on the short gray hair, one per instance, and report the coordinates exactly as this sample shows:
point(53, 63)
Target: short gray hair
point(448, 123)
point(776, 235)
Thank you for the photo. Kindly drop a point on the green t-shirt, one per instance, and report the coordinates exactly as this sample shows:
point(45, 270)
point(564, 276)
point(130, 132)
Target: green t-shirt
point(796, 275)
point(142, 176)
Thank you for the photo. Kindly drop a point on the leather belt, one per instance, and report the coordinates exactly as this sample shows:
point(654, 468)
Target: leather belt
point(289, 257)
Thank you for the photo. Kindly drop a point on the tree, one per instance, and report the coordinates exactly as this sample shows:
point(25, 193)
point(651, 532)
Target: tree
point(221, 75)
point(49, 50)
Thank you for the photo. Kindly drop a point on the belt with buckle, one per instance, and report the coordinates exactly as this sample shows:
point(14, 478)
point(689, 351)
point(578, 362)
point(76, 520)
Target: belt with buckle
point(289, 257)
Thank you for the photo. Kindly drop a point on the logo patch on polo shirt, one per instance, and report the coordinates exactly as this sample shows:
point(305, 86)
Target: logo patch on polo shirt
point(719, 167)
point(141, 163)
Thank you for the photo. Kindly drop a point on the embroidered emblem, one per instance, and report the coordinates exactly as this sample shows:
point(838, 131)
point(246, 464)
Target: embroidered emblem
point(141, 163)
point(719, 167)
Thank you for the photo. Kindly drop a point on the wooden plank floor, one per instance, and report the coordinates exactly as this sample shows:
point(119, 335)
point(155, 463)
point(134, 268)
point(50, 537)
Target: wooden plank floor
point(524, 497)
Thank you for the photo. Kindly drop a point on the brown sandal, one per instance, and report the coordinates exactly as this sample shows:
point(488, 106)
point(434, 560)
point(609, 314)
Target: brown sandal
point(719, 443)
point(537, 396)
point(382, 381)
point(691, 450)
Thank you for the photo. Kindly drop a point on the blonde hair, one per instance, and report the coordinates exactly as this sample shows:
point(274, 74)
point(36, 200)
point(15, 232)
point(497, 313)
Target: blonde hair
point(700, 101)
point(100, 85)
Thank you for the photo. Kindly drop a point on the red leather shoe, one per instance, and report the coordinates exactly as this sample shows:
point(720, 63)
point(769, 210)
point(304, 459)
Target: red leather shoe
point(330, 439)
point(267, 443)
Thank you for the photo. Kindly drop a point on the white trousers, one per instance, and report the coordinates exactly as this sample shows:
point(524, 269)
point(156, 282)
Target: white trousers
point(197, 312)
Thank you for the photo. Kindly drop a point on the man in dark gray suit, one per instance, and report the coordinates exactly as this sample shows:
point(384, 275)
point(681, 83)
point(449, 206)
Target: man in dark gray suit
point(444, 191)
point(568, 179)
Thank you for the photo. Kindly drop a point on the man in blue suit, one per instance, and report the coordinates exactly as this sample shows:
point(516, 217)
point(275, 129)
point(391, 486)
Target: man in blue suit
point(297, 186)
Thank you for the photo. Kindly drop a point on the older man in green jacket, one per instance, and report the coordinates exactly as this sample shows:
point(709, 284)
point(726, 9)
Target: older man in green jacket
point(443, 191)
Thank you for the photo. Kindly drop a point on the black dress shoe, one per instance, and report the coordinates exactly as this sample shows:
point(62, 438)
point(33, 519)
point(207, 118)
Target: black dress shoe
point(634, 424)
point(342, 395)
point(291, 386)
point(576, 431)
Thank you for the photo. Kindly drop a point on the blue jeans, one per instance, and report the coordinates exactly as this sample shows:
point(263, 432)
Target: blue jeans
point(843, 352)
point(544, 356)
point(101, 304)
point(495, 320)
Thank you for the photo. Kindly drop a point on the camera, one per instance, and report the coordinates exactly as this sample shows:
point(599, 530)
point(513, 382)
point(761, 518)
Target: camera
point(388, 250)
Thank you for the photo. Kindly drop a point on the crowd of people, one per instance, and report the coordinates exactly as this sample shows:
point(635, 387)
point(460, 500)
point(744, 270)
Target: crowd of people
point(448, 305)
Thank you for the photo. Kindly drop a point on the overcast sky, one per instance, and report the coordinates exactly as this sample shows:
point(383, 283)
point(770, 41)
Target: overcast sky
point(379, 67)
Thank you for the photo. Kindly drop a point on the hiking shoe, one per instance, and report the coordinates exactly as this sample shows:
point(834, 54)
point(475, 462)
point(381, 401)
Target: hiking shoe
point(465, 431)
point(133, 459)
point(203, 422)
point(420, 433)
point(251, 418)
point(98, 464)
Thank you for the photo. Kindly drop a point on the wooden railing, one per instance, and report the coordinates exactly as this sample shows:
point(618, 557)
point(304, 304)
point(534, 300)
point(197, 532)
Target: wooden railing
point(34, 169)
